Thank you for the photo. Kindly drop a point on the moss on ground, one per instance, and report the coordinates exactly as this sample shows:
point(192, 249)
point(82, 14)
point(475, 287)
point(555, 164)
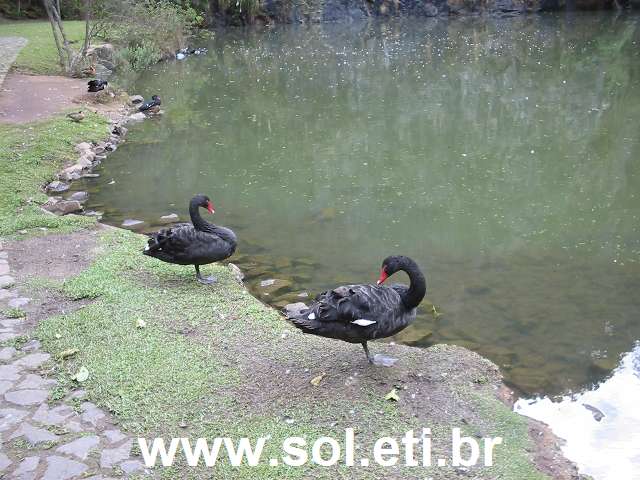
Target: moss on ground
point(170, 357)
point(40, 56)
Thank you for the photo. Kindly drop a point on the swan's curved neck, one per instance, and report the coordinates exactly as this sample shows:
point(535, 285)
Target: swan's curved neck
point(199, 223)
point(417, 288)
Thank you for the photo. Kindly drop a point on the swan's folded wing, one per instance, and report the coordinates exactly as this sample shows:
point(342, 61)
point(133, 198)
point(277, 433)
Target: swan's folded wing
point(353, 303)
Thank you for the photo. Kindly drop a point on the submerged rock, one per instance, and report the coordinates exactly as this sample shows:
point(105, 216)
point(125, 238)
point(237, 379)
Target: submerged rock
point(79, 196)
point(132, 224)
point(273, 285)
point(171, 218)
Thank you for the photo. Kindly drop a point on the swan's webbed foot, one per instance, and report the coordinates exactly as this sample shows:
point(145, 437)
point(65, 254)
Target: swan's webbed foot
point(381, 360)
point(204, 280)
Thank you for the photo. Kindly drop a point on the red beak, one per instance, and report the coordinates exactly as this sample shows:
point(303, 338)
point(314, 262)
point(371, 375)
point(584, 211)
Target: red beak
point(383, 276)
point(210, 207)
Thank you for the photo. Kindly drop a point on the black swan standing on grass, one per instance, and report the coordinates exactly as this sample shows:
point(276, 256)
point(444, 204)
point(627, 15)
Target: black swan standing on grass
point(359, 313)
point(97, 85)
point(198, 243)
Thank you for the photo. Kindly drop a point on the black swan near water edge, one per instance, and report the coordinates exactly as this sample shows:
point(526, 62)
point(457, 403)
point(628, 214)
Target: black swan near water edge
point(359, 313)
point(196, 243)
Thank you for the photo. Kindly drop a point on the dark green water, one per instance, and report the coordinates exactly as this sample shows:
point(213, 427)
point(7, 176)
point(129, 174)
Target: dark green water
point(503, 155)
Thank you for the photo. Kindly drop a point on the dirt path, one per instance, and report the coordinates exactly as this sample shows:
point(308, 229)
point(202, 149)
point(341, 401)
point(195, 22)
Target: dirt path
point(26, 98)
point(43, 436)
point(9, 49)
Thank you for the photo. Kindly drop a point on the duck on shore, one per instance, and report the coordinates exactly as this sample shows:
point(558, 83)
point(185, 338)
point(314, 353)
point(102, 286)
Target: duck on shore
point(151, 106)
point(97, 85)
point(359, 313)
point(196, 243)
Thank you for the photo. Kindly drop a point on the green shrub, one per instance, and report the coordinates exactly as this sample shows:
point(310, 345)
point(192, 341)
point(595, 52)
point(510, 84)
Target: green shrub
point(146, 32)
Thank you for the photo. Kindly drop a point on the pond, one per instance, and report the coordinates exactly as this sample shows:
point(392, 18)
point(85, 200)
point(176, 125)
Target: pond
point(502, 155)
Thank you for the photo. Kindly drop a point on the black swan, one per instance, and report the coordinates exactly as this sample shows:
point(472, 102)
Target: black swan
point(359, 313)
point(152, 106)
point(197, 243)
point(97, 85)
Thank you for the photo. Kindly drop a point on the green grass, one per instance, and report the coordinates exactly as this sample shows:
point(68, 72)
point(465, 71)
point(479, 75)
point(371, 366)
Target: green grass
point(40, 55)
point(30, 156)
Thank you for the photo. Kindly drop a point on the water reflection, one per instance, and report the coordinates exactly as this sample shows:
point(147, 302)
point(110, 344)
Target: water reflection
point(502, 155)
point(608, 448)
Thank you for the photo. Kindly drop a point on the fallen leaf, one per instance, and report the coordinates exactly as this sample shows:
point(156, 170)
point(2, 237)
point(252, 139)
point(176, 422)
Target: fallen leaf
point(68, 353)
point(82, 375)
point(315, 381)
point(392, 395)
point(141, 323)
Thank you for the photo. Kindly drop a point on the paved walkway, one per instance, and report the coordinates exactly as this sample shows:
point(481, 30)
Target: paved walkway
point(9, 49)
point(41, 438)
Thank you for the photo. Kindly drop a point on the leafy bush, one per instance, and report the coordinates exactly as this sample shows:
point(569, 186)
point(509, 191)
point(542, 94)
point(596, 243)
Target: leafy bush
point(146, 32)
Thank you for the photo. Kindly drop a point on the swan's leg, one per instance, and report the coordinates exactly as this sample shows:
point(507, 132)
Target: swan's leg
point(204, 280)
point(366, 351)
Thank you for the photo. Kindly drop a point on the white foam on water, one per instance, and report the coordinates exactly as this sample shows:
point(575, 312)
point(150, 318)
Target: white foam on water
point(608, 449)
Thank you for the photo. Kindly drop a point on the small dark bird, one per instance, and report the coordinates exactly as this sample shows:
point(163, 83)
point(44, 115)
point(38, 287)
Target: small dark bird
point(97, 85)
point(76, 116)
point(151, 106)
point(196, 243)
point(359, 313)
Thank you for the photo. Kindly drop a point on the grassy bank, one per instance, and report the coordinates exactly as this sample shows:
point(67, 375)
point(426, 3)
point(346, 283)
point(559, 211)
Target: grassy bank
point(40, 56)
point(170, 357)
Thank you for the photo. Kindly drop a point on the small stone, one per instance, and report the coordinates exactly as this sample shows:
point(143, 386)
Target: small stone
point(33, 434)
point(35, 381)
point(7, 336)
point(9, 372)
point(33, 360)
point(171, 218)
point(7, 353)
point(4, 268)
point(10, 416)
point(93, 416)
point(73, 172)
point(113, 456)
point(54, 416)
point(6, 281)
point(73, 426)
point(83, 147)
point(85, 161)
point(132, 224)
point(4, 294)
point(114, 436)
point(26, 468)
point(26, 397)
point(131, 466)
point(98, 150)
point(31, 346)
point(63, 207)
point(60, 468)
point(236, 272)
point(79, 196)
point(5, 385)
point(293, 309)
point(79, 448)
point(134, 99)
point(18, 302)
point(57, 187)
point(4, 462)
